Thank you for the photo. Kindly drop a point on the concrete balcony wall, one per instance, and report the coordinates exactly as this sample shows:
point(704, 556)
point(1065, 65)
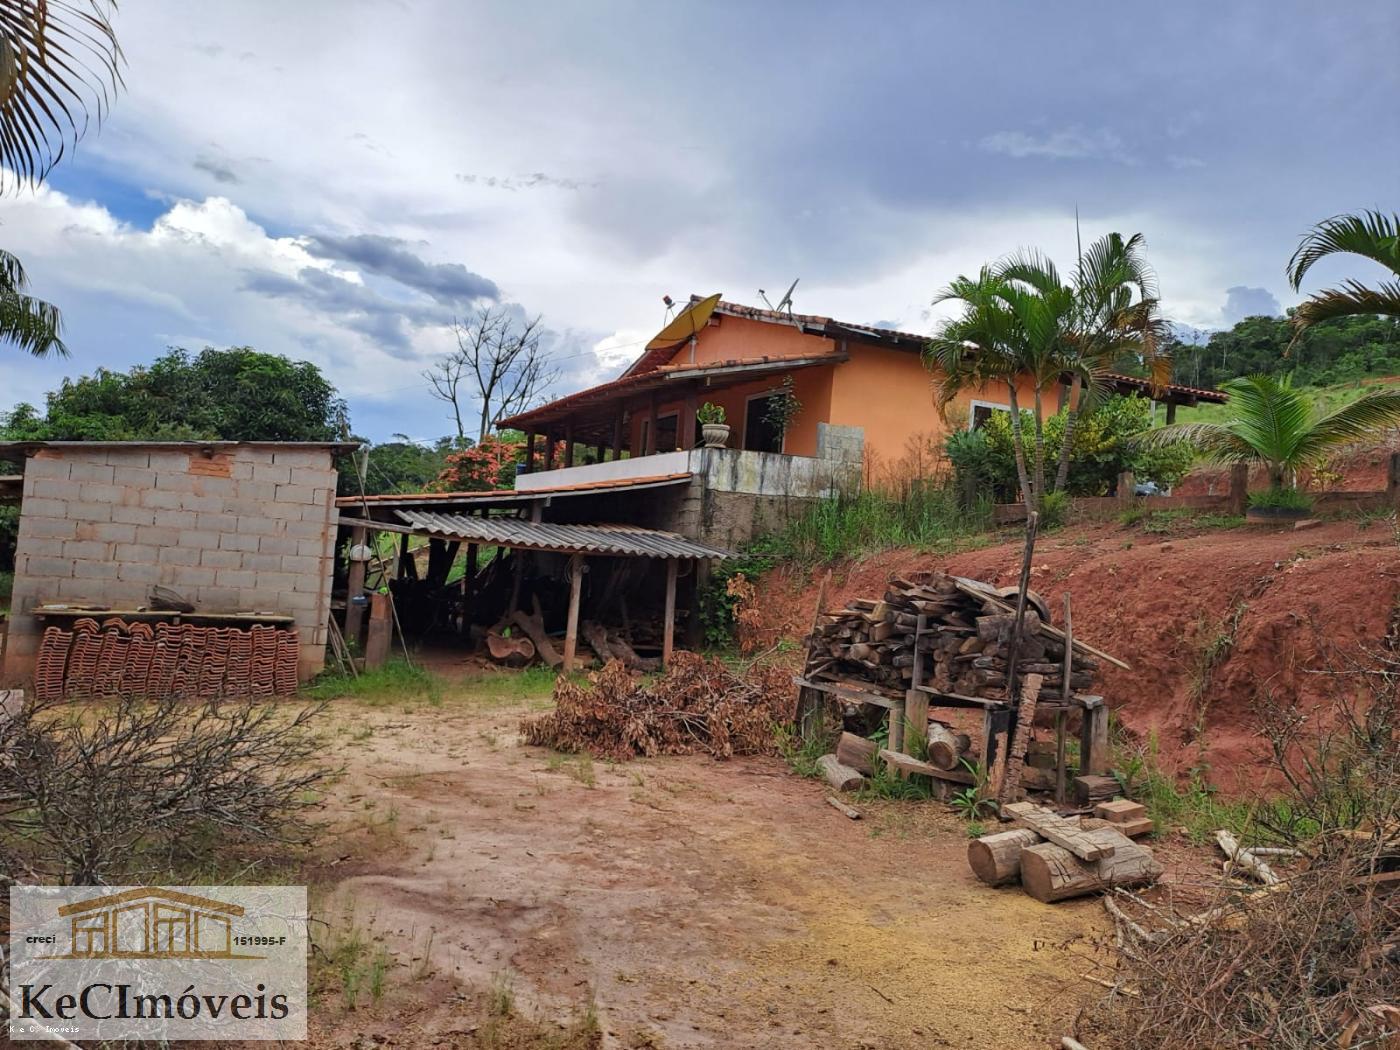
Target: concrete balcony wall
point(717, 470)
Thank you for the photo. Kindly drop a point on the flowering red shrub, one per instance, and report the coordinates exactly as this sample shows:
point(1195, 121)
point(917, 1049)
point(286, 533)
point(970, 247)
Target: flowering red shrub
point(490, 464)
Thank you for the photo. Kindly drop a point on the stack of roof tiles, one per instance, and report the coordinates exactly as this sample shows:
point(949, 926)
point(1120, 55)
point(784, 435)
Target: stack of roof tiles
point(116, 658)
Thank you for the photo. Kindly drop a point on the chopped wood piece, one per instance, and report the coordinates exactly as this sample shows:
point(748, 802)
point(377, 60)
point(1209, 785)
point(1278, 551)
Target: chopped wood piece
point(1052, 873)
point(1120, 811)
point(946, 746)
point(1136, 829)
point(842, 778)
point(1025, 720)
point(1086, 845)
point(1246, 860)
point(841, 807)
point(514, 651)
point(857, 753)
point(996, 859)
point(907, 764)
point(1093, 788)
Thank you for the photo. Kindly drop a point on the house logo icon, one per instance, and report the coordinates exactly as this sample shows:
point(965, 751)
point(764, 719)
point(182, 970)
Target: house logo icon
point(151, 923)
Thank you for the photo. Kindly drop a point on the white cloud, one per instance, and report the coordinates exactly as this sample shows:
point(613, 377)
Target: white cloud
point(1072, 143)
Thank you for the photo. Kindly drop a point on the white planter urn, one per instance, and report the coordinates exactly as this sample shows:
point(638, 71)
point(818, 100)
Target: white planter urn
point(714, 435)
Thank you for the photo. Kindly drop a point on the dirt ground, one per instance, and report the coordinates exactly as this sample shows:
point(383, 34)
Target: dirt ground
point(696, 903)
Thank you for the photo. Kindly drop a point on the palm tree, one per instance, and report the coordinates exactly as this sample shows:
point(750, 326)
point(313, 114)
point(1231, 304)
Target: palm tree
point(1371, 235)
point(59, 67)
point(30, 324)
point(1274, 424)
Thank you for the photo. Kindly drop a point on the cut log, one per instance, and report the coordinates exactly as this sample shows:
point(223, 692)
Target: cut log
point(1120, 811)
point(842, 778)
point(857, 752)
point(597, 639)
point(907, 764)
point(1086, 845)
point(996, 859)
point(1052, 873)
point(624, 651)
point(1093, 788)
point(946, 746)
point(533, 626)
point(515, 651)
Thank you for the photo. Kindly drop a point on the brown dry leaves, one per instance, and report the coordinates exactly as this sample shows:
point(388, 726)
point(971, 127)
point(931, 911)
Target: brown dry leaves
point(698, 706)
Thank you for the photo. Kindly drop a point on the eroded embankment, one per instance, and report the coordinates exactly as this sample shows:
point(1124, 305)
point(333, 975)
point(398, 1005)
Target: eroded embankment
point(1212, 622)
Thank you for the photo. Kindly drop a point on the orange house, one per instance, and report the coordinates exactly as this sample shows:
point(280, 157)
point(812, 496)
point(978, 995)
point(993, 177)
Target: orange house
point(864, 393)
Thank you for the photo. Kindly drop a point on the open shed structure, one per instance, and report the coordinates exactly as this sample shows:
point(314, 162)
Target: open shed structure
point(523, 572)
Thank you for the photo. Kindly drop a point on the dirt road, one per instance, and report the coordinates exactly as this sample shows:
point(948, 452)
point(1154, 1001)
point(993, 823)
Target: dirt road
point(700, 904)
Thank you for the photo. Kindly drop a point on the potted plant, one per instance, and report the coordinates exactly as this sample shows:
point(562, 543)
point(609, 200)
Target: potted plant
point(713, 429)
point(1277, 426)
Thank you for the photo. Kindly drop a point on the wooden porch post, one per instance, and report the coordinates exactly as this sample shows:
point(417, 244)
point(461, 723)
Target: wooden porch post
point(617, 438)
point(571, 629)
point(1171, 412)
point(650, 449)
point(355, 585)
point(686, 436)
point(529, 451)
point(568, 444)
point(549, 450)
point(668, 631)
point(380, 626)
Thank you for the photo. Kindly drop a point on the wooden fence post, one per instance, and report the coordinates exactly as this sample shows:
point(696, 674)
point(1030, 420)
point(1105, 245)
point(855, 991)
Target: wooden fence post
point(571, 626)
point(354, 587)
point(380, 631)
point(1094, 754)
point(1126, 483)
point(1392, 480)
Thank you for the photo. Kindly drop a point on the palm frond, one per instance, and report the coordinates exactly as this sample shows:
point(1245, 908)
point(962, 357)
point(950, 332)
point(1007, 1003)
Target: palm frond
point(1351, 422)
point(60, 67)
point(1032, 268)
point(1352, 299)
point(1216, 442)
point(31, 324)
point(1370, 234)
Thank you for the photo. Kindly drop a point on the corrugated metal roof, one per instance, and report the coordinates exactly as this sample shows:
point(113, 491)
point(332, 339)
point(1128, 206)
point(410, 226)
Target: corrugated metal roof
point(629, 541)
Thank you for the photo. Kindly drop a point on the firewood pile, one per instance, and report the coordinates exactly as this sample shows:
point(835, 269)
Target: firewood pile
point(699, 706)
point(871, 643)
point(137, 659)
point(1055, 858)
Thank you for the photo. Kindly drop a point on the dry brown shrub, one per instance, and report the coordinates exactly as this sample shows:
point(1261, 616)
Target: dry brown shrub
point(698, 706)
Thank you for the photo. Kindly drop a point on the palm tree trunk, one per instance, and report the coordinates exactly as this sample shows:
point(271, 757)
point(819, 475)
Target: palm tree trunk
point(1071, 418)
point(1039, 450)
point(1027, 496)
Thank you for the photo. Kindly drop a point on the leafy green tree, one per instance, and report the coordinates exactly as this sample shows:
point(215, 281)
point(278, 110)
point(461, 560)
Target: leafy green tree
point(238, 394)
point(1275, 424)
point(1370, 235)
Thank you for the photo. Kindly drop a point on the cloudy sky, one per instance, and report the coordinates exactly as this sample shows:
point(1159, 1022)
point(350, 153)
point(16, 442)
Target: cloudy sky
point(335, 180)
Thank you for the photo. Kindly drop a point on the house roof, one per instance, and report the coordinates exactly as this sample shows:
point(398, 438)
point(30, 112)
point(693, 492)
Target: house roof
point(1181, 394)
point(506, 496)
point(149, 893)
point(27, 447)
point(628, 541)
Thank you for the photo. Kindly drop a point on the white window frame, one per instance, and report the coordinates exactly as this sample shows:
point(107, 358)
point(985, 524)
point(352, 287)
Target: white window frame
point(974, 405)
point(744, 437)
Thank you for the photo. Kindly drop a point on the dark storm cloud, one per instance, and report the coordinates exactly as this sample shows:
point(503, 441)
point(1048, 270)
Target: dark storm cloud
point(451, 284)
point(221, 171)
point(1242, 302)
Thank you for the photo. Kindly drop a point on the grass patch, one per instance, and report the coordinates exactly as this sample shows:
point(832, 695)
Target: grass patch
point(394, 683)
point(926, 516)
point(1178, 521)
point(579, 767)
point(801, 755)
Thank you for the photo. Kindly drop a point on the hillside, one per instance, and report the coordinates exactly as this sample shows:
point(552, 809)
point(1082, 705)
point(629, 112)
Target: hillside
point(1214, 621)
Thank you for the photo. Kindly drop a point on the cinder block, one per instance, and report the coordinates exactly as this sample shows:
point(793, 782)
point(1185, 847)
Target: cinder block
point(317, 548)
point(175, 519)
point(241, 469)
point(95, 570)
point(221, 487)
point(224, 599)
point(137, 572)
point(296, 494)
point(135, 552)
point(128, 457)
point(88, 591)
point(58, 568)
point(107, 531)
point(271, 472)
point(217, 522)
point(85, 510)
point(188, 575)
point(86, 549)
point(160, 499)
point(312, 477)
point(46, 547)
point(301, 565)
point(207, 504)
point(302, 457)
point(133, 515)
point(46, 528)
point(216, 559)
point(233, 541)
point(52, 488)
point(53, 469)
point(307, 529)
point(45, 507)
point(198, 538)
point(180, 556)
point(174, 481)
point(260, 526)
point(276, 545)
point(278, 582)
point(97, 492)
point(247, 507)
point(170, 462)
point(262, 562)
point(236, 578)
point(298, 602)
point(134, 477)
point(89, 470)
point(161, 535)
point(308, 584)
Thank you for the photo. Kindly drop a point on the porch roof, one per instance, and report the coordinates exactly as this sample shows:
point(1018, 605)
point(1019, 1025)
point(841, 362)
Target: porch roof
point(593, 411)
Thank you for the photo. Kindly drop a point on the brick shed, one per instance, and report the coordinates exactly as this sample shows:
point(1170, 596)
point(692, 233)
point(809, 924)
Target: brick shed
point(229, 525)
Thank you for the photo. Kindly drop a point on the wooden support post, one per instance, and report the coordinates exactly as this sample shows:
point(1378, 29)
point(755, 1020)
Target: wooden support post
point(617, 438)
point(686, 435)
point(650, 449)
point(1126, 484)
point(401, 561)
point(1093, 737)
point(1171, 412)
point(897, 726)
point(517, 575)
point(568, 444)
point(549, 450)
point(355, 585)
point(668, 629)
point(915, 723)
point(571, 627)
point(529, 451)
point(469, 576)
point(1061, 773)
point(996, 734)
point(380, 631)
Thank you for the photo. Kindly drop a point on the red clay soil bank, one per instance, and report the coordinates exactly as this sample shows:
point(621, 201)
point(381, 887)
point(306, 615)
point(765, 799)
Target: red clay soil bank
point(1270, 603)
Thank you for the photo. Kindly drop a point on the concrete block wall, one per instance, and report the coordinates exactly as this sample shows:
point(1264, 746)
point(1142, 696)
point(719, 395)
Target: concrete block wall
point(231, 529)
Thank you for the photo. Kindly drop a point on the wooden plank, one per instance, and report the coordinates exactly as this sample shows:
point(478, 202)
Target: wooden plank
point(906, 764)
point(571, 625)
point(939, 698)
point(1066, 672)
point(1021, 738)
point(668, 633)
point(915, 721)
point(846, 692)
point(1094, 754)
point(1049, 825)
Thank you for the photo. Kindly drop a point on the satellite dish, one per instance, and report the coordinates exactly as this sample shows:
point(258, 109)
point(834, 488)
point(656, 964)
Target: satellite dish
point(785, 303)
point(687, 324)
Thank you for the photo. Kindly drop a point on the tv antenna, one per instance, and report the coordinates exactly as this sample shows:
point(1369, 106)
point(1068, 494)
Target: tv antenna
point(785, 303)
